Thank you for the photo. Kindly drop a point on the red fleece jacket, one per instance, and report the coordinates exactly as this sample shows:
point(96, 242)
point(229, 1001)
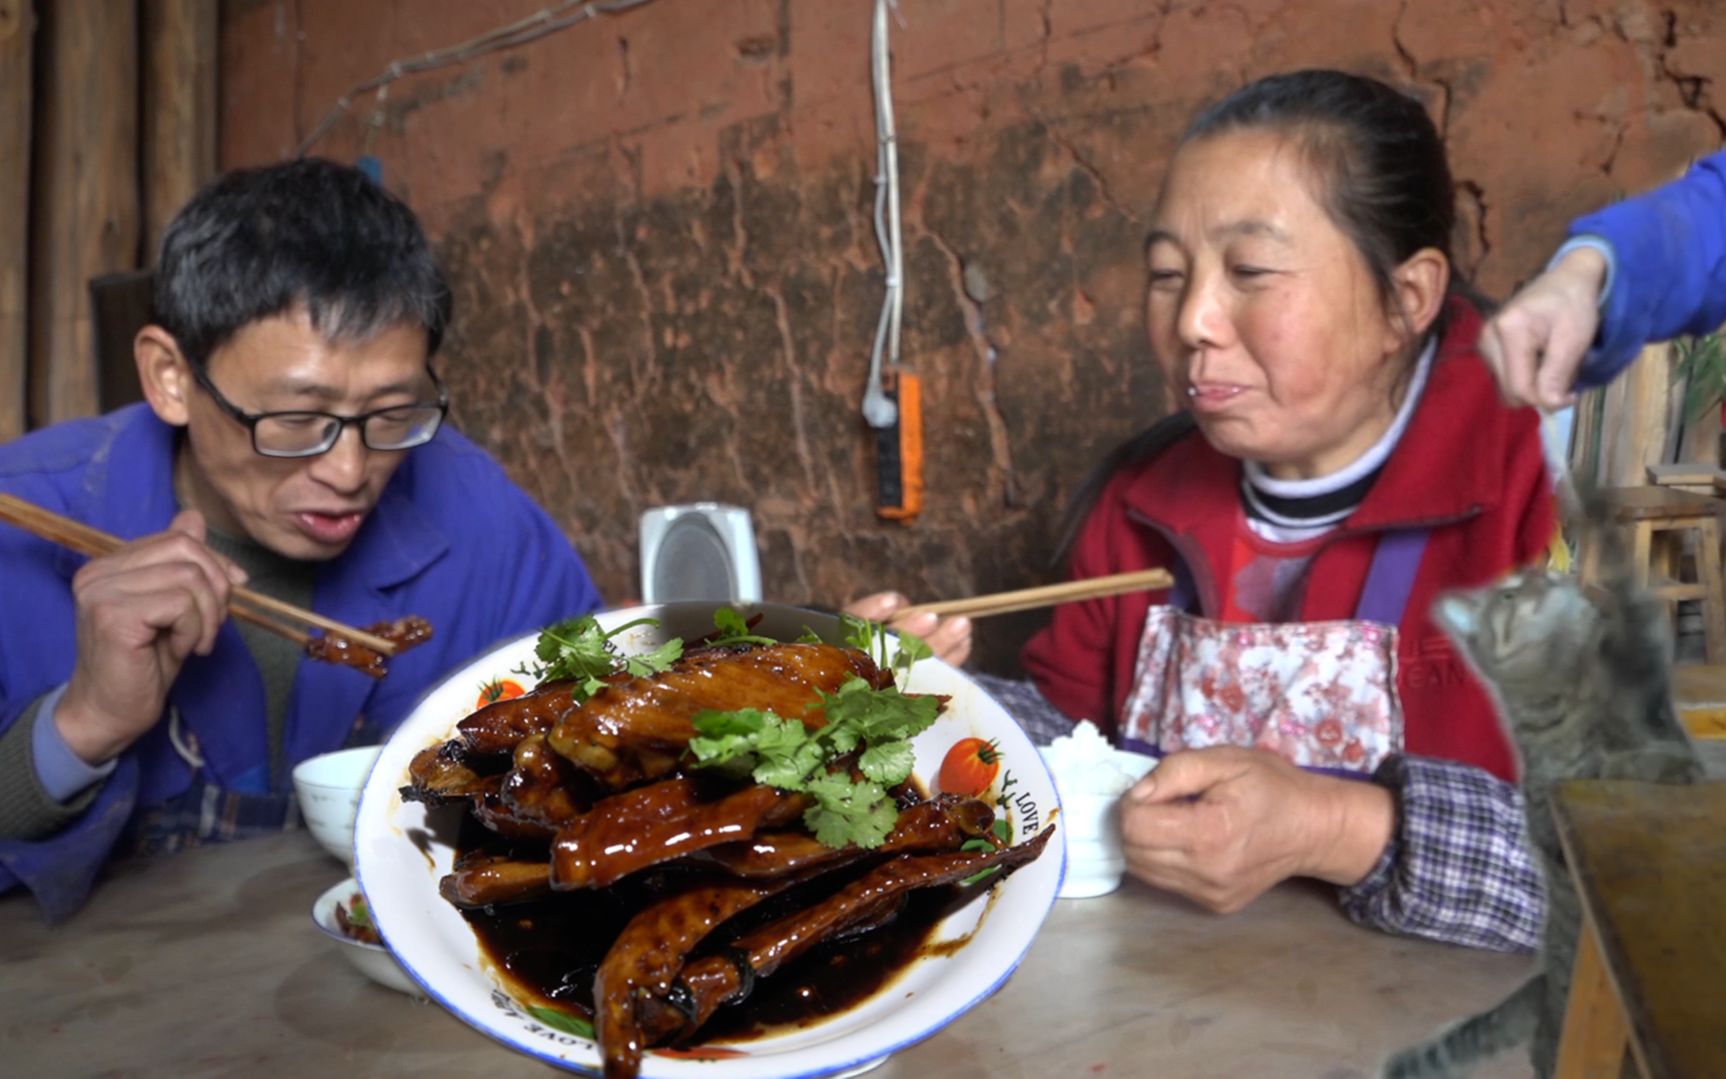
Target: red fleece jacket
point(1468, 469)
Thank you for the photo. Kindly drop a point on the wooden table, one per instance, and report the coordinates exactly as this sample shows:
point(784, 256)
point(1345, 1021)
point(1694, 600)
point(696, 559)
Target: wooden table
point(1649, 861)
point(207, 964)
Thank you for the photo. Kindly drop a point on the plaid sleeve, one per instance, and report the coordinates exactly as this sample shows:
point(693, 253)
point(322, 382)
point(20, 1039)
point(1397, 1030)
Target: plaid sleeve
point(1041, 720)
point(1458, 868)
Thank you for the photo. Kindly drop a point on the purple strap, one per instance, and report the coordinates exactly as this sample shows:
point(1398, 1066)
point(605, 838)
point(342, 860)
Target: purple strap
point(1390, 579)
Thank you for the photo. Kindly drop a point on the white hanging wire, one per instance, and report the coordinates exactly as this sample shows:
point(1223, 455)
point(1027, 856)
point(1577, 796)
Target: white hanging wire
point(879, 411)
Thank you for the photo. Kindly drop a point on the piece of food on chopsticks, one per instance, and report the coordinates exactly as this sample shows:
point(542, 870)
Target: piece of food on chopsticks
point(640, 822)
point(365, 649)
point(402, 633)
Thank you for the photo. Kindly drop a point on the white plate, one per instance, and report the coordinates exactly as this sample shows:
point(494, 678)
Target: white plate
point(401, 856)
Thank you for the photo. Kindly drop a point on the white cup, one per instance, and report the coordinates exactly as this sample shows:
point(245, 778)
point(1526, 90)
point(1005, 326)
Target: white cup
point(1091, 816)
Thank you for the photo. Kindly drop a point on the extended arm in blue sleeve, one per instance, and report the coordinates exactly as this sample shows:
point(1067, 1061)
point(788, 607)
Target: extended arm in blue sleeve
point(1669, 252)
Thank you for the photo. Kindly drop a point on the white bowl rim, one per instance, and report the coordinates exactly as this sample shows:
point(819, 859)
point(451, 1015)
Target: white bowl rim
point(297, 774)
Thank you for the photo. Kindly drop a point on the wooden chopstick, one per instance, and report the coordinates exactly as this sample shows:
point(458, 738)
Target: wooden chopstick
point(244, 604)
point(1027, 599)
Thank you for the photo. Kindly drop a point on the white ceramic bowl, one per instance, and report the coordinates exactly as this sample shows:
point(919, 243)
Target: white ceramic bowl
point(328, 789)
point(401, 855)
point(372, 960)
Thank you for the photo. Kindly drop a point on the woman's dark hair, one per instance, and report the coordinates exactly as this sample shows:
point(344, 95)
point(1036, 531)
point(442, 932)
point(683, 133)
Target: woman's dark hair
point(1380, 173)
point(1379, 164)
point(261, 242)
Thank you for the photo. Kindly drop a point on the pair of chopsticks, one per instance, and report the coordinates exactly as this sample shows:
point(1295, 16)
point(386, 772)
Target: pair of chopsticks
point(1028, 599)
point(243, 603)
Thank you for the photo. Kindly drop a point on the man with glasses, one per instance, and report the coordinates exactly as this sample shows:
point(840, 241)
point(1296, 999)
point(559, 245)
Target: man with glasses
point(292, 440)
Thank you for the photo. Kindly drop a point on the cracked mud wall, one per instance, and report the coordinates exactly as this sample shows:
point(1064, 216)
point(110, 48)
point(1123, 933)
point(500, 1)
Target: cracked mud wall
point(658, 227)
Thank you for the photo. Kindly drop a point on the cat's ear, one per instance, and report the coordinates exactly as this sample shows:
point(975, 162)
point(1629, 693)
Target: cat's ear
point(1457, 614)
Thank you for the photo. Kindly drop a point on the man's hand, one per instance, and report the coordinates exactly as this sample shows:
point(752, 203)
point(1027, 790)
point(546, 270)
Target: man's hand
point(1220, 826)
point(141, 610)
point(949, 637)
point(1536, 341)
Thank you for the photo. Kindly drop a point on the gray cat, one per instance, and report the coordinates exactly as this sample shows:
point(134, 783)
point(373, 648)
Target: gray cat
point(1582, 678)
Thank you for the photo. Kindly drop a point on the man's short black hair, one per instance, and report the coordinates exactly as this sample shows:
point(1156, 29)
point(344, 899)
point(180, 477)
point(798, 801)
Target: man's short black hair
point(310, 232)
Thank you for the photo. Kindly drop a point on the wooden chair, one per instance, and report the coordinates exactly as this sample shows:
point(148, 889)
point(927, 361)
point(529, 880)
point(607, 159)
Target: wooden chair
point(1699, 693)
point(1649, 862)
point(1660, 520)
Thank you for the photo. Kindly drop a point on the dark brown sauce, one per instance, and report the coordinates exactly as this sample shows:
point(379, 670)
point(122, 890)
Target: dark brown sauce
point(548, 950)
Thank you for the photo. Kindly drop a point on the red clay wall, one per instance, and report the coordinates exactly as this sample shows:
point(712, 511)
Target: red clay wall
point(658, 227)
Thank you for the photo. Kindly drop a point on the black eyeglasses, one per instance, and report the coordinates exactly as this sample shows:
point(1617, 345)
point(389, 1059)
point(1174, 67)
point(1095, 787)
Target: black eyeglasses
point(307, 434)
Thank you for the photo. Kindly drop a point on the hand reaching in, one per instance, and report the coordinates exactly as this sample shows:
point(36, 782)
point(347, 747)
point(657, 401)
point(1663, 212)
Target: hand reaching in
point(949, 637)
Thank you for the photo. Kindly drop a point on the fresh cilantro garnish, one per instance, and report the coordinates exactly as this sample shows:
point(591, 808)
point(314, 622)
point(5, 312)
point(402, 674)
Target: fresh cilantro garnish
point(872, 639)
point(875, 724)
point(1003, 832)
point(734, 630)
point(579, 650)
point(556, 1020)
point(846, 811)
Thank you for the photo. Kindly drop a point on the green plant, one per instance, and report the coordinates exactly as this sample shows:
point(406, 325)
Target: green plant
point(1701, 363)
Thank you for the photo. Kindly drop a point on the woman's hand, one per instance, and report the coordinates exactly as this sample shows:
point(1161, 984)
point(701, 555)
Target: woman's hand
point(1536, 341)
point(141, 610)
point(1222, 825)
point(949, 637)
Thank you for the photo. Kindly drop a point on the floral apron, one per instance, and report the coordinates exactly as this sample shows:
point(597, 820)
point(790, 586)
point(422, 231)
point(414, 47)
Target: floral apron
point(1321, 694)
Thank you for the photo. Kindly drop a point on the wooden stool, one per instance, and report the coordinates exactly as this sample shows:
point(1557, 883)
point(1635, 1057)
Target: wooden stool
point(1686, 476)
point(1649, 862)
point(1660, 518)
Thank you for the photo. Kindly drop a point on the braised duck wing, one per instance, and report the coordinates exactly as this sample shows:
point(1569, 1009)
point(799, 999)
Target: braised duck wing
point(543, 787)
point(483, 881)
point(491, 809)
point(715, 980)
point(496, 728)
point(637, 729)
point(942, 824)
point(648, 954)
point(648, 825)
point(441, 774)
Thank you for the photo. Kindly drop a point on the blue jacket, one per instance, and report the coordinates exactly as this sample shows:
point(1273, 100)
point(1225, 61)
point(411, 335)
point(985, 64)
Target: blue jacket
point(451, 540)
point(1669, 267)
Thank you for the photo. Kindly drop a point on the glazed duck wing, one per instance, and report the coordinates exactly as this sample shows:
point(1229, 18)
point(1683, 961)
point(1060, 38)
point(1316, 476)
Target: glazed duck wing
point(636, 730)
point(497, 728)
point(484, 743)
point(482, 881)
point(649, 825)
point(648, 954)
point(708, 983)
point(442, 773)
point(941, 824)
point(544, 788)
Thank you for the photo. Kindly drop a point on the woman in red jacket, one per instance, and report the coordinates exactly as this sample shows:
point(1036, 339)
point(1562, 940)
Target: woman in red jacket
point(1343, 458)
